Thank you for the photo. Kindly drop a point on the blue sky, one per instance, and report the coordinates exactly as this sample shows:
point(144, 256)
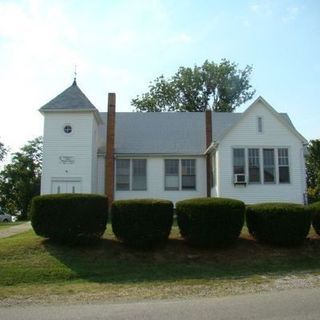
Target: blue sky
point(120, 46)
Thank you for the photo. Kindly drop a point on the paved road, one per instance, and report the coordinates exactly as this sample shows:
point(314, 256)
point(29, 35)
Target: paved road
point(294, 304)
point(10, 231)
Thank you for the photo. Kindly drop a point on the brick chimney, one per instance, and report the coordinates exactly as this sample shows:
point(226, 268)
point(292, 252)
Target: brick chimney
point(208, 156)
point(109, 162)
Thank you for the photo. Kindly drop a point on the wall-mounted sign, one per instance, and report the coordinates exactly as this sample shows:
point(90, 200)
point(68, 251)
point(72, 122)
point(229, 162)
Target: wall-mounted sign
point(66, 159)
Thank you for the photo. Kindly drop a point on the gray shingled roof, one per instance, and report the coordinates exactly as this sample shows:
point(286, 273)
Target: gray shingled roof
point(71, 98)
point(167, 132)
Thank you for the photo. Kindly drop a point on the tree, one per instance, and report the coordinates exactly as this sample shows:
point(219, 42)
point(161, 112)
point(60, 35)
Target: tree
point(20, 180)
point(3, 151)
point(313, 170)
point(220, 87)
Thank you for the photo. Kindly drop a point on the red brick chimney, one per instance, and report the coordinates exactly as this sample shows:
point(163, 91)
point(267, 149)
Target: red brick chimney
point(208, 156)
point(109, 163)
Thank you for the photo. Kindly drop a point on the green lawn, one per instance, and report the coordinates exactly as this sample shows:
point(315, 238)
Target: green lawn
point(31, 266)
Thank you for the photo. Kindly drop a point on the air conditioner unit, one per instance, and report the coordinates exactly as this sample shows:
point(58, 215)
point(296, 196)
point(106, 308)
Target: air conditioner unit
point(240, 178)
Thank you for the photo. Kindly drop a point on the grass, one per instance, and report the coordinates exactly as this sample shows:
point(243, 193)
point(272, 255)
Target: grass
point(33, 267)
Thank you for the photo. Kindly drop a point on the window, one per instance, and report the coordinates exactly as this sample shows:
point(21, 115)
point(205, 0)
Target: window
point(139, 174)
point(67, 129)
point(238, 161)
point(260, 124)
point(131, 174)
point(268, 166)
point(283, 161)
point(123, 174)
point(171, 174)
point(254, 165)
point(188, 174)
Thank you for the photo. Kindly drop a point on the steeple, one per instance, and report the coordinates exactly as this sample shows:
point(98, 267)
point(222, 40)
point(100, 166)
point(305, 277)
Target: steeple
point(71, 98)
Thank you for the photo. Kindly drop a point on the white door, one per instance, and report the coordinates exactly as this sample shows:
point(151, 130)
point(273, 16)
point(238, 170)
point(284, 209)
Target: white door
point(63, 186)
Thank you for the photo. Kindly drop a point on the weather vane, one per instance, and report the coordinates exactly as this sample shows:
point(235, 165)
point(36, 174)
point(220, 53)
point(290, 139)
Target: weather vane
point(75, 72)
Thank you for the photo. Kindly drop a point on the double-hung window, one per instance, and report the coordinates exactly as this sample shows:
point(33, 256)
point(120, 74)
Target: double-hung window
point(283, 162)
point(188, 174)
point(268, 166)
point(123, 174)
point(239, 161)
point(139, 174)
point(131, 174)
point(173, 174)
point(254, 165)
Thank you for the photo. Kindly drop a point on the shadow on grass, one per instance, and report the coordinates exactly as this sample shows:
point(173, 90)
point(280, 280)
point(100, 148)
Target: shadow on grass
point(112, 262)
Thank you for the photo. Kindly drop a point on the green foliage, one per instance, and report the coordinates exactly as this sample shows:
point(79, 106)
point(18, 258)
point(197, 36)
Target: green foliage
point(20, 180)
point(70, 218)
point(210, 221)
point(279, 223)
point(313, 170)
point(217, 86)
point(315, 207)
point(3, 151)
point(142, 223)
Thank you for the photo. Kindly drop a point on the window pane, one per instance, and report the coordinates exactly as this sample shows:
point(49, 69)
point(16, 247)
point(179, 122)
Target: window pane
point(188, 174)
point(254, 165)
point(172, 183)
point(284, 175)
point(172, 167)
point(283, 159)
point(171, 174)
point(268, 165)
point(139, 174)
point(238, 161)
point(122, 174)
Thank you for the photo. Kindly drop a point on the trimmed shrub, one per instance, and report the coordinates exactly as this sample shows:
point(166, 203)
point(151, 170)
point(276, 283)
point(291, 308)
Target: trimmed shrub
point(142, 223)
point(210, 221)
point(279, 223)
point(315, 208)
point(70, 218)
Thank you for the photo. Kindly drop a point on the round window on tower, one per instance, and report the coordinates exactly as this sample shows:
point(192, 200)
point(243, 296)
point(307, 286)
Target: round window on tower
point(67, 129)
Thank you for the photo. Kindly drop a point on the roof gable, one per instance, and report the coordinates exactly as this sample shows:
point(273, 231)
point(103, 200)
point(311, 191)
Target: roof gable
point(70, 99)
point(282, 117)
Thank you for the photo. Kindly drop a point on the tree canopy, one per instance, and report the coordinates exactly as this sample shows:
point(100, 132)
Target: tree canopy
point(3, 151)
point(313, 170)
point(220, 87)
point(20, 179)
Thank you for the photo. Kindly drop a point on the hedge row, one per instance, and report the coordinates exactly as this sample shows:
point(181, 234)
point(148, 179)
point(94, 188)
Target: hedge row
point(279, 223)
point(143, 223)
point(70, 218)
point(146, 223)
point(210, 221)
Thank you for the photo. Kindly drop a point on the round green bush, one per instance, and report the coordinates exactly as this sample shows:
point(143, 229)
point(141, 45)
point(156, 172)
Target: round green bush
point(278, 223)
point(142, 223)
point(70, 218)
point(315, 208)
point(210, 221)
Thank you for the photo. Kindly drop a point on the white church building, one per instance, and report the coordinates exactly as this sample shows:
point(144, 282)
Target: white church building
point(255, 156)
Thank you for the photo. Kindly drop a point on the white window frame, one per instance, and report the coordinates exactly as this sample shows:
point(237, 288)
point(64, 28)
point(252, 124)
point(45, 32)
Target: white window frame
point(276, 164)
point(131, 174)
point(179, 174)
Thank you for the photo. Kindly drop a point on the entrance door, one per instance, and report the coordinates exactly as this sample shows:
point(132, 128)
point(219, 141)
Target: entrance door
point(63, 186)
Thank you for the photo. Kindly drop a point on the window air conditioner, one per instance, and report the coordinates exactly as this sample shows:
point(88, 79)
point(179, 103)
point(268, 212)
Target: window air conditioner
point(240, 178)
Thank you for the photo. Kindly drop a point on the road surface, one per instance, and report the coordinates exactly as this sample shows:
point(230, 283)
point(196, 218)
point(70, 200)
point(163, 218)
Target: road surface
point(294, 304)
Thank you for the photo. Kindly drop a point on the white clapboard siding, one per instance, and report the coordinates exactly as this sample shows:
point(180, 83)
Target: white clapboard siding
point(79, 145)
point(275, 134)
point(156, 178)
